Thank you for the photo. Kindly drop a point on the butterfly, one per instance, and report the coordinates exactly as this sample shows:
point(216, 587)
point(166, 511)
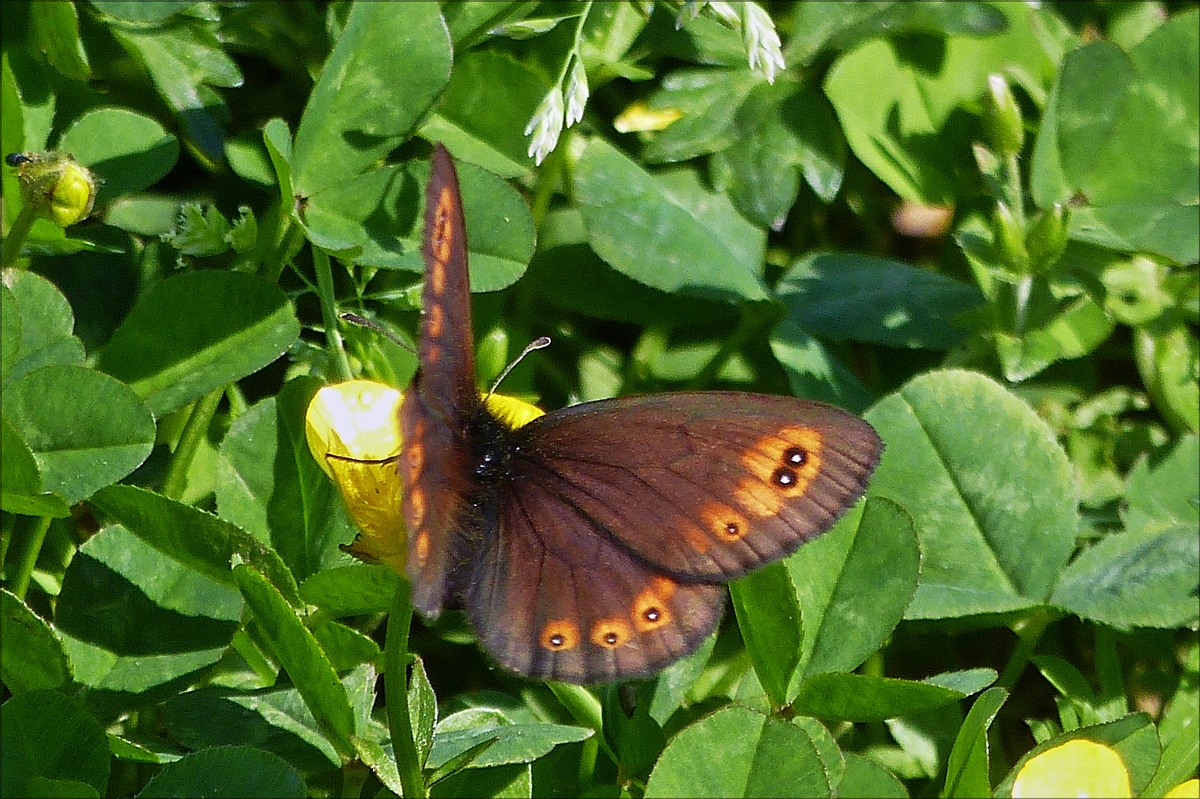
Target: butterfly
point(592, 544)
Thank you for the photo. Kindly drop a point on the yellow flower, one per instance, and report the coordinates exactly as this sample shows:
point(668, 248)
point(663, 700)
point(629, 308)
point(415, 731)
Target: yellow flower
point(353, 431)
point(1074, 769)
point(512, 411)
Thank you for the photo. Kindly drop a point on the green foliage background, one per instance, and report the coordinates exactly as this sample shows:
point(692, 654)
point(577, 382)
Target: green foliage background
point(976, 223)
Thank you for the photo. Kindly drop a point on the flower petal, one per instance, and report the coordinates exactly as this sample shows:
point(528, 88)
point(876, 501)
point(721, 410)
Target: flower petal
point(1075, 769)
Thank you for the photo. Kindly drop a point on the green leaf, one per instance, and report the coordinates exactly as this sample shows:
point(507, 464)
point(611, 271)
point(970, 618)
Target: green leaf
point(707, 102)
point(854, 697)
point(170, 621)
point(1168, 359)
point(866, 779)
point(269, 484)
point(198, 331)
point(967, 771)
point(357, 590)
point(189, 535)
point(1105, 105)
point(518, 743)
point(484, 109)
point(905, 127)
point(244, 770)
point(422, 710)
point(127, 151)
point(853, 585)
point(813, 371)
point(47, 738)
point(989, 488)
point(862, 298)
point(278, 140)
point(45, 326)
point(184, 62)
point(276, 719)
point(667, 231)
point(371, 220)
point(21, 479)
point(301, 655)
point(1143, 578)
point(387, 68)
point(55, 29)
point(785, 131)
point(739, 752)
point(137, 11)
point(85, 429)
point(768, 615)
point(31, 655)
point(1181, 749)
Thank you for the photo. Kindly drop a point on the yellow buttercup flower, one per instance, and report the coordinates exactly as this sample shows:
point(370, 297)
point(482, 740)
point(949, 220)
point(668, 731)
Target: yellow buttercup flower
point(353, 432)
point(1075, 769)
point(512, 411)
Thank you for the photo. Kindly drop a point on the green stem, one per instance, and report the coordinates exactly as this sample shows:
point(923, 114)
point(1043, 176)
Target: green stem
point(28, 557)
point(749, 322)
point(1029, 633)
point(585, 708)
point(395, 681)
point(16, 236)
point(329, 315)
point(189, 443)
point(583, 15)
point(289, 241)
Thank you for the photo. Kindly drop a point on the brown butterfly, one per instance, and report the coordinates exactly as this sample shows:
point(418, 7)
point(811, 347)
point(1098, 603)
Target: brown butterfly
point(593, 544)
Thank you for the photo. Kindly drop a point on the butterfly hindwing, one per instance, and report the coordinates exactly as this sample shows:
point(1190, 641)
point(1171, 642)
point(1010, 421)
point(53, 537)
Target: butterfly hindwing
point(553, 597)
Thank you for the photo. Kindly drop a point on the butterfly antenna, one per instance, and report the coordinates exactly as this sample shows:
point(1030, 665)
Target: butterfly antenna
point(539, 343)
point(371, 324)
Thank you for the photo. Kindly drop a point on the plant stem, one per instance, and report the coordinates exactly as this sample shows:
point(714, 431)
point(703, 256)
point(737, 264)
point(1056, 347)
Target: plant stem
point(1029, 632)
point(16, 237)
point(189, 442)
point(749, 322)
point(585, 708)
point(395, 682)
point(29, 556)
point(329, 316)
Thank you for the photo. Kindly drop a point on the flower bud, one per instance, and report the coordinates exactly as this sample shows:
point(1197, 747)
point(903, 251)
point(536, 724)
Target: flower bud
point(1002, 118)
point(54, 186)
point(1047, 239)
point(1009, 237)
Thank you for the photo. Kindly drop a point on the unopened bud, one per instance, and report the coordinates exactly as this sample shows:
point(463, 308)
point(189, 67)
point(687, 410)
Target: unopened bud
point(54, 186)
point(1009, 237)
point(1047, 239)
point(1002, 118)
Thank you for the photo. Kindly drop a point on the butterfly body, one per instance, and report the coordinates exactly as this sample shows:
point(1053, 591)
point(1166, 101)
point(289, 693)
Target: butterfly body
point(593, 543)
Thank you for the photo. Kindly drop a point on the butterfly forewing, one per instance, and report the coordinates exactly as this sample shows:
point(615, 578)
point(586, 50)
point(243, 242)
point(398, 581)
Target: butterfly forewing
point(704, 485)
point(435, 458)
